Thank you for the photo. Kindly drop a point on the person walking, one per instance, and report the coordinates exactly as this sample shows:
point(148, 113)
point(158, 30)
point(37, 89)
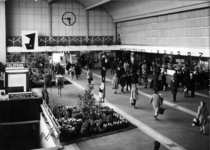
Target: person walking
point(72, 71)
point(156, 145)
point(122, 82)
point(192, 85)
point(186, 86)
point(163, 79)
point(77, 70)
point(113, 66)
point(102, 92)
point(134, 95)
point(156, 101)
point(68, 67)
point(174, 88)
point(89, 75)
point(202, 116)
point(103, 74)
point(128, 81)
point(134, 77)
point(115, 80)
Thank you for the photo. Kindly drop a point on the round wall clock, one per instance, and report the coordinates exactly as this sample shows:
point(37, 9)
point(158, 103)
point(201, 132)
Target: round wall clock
point(68, 18)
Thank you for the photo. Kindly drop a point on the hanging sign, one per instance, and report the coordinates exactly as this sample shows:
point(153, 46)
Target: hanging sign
point(30, 40)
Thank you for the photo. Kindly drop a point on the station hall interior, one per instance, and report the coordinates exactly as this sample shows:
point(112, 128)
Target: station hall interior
point(38, 35)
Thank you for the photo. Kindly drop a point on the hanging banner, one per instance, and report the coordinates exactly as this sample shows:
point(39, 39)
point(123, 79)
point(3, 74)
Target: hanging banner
point(30, 40)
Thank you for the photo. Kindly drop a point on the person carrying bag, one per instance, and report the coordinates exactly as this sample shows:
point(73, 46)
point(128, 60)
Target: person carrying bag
point(134, 96)
point(161, 109)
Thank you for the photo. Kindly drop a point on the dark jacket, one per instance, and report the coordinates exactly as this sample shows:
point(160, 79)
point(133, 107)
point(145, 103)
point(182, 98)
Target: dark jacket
point(173, 87)
point(122, 81)
point(163, 77)
point(103, 72)
point(68, 66)
point(192, 83)
point(135, 78)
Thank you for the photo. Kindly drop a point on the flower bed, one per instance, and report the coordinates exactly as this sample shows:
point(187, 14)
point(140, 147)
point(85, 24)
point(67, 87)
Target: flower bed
point(88, 119)
point(76, 124)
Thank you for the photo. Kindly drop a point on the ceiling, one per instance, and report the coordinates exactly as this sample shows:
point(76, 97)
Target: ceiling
point(123, 10)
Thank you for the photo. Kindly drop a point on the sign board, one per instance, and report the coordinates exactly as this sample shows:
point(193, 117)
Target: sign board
point(73, 58)
point(30, 40)
point(15, 65)
point(184, 51)
point(20, 95)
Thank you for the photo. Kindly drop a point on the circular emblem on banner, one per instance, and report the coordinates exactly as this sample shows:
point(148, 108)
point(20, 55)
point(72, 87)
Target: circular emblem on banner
point(69, 18)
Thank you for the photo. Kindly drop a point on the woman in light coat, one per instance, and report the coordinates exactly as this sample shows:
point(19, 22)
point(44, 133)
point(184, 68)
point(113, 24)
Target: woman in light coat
point(115, 80)
point(89, 76)
point(156, 103)
point(134, 95)
point(202, 116)
point(102, 92)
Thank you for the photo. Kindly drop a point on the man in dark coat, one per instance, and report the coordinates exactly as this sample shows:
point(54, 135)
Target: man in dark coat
point(174, 88)
point(163, 79)
point(128, 80)
point(103, 73)
point(68, 67)
point(192, 85)
point(77, 70)
point(134, 78)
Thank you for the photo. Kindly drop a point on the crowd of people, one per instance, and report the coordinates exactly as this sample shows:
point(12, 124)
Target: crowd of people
point(126, 77)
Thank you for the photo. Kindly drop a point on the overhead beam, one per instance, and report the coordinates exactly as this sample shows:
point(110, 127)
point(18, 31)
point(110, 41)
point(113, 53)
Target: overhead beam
point(50, 1)
point(97, 4)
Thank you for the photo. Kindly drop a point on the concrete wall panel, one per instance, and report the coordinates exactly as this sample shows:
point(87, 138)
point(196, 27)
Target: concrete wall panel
point(33, 15)
point(181, 29)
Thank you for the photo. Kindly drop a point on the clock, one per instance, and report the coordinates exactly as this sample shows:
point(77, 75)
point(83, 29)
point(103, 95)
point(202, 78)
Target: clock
point(68, 18)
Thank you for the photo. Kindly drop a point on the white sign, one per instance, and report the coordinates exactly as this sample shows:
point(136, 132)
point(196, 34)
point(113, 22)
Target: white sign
point(30, 40)
point(17, 80)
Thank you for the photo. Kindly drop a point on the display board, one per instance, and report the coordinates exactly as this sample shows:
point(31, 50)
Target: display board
point(21, 95)
point(16, 80)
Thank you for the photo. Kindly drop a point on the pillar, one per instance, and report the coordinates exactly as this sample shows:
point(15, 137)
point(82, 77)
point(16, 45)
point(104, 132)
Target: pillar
point(87, 25)
point(115, 32)
point(3, 47)
point(50, 19)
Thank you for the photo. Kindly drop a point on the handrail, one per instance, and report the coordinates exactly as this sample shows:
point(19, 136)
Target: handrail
point(53, 119)
point(48, 135)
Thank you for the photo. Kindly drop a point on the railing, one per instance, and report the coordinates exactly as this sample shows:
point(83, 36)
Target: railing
point(51, 119)
point(48, 135)
point(67, 41)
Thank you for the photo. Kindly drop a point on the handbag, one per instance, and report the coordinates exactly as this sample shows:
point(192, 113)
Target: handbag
point(195, 122)
point(161, 110)
point(131, 101)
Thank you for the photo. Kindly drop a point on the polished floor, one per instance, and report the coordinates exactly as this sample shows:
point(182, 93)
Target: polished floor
point(173, 129)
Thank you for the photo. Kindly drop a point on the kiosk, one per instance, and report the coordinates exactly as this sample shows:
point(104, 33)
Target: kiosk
point(16, 78)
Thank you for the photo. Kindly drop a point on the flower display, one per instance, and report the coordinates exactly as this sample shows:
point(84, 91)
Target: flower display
point(87, 119)
point(74, 124)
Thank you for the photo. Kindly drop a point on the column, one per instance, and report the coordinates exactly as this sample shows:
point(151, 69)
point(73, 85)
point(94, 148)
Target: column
point(50, 18)
point(115, 32)
point(87, 25)
point(3, 47)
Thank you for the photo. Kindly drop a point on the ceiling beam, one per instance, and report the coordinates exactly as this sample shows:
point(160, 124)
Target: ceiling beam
point(97, 4)
point(51, 1)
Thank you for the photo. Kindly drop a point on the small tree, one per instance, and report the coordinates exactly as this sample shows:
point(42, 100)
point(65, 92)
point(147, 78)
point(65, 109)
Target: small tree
point(87, 103)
